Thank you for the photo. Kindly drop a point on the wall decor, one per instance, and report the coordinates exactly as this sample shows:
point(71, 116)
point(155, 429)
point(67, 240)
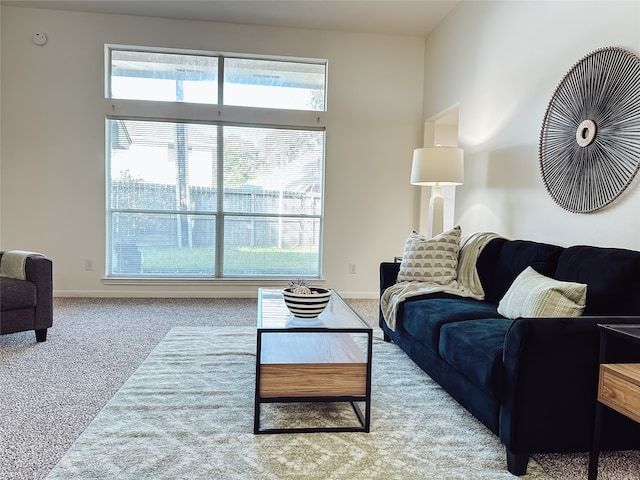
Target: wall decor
point(590, 138)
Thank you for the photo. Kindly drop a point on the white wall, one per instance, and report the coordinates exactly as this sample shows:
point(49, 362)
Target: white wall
point(501, 61)
point(52, 150)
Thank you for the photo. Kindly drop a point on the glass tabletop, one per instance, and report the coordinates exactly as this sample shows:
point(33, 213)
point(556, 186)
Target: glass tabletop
point(630, 330)
point(273, 313)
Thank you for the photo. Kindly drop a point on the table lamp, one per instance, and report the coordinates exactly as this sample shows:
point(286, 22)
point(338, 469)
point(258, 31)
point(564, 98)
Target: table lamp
point(435, 167)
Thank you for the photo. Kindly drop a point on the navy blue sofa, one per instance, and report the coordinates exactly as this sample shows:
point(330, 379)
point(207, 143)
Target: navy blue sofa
point(531, 381)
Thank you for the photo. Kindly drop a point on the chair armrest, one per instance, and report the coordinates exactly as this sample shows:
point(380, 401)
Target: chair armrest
point(39, 270)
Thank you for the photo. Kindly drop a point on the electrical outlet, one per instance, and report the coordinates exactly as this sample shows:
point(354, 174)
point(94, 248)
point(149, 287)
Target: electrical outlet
point(352, 268)
point(88, 265)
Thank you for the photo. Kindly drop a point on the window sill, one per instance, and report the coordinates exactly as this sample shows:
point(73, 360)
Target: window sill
point(235, 281)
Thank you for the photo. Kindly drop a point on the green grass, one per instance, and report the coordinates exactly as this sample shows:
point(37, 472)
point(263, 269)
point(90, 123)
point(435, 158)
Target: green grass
point(241, 261)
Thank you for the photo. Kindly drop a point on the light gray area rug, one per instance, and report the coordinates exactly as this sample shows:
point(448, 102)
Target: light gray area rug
point(187, 413)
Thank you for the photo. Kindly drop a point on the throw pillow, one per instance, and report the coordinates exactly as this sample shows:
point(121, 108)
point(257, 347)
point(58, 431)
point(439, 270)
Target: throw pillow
point(534, 295)
point(433, 260)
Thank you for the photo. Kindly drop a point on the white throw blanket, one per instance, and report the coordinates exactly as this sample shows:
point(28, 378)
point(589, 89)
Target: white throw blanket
point(467, 283)
point(12, 263)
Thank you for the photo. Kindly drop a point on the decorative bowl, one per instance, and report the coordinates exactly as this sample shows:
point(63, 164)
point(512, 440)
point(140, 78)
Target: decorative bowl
point(306, 306)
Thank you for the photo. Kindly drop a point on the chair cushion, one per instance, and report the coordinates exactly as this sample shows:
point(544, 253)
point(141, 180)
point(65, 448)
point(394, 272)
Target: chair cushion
point(424, 318)
point(16, 294)
point(474, 348)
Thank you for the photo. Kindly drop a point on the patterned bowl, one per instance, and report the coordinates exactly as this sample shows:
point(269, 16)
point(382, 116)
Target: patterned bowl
point(306, 306)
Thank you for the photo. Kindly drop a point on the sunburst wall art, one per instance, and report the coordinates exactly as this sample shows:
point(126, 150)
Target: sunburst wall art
point(590, 138)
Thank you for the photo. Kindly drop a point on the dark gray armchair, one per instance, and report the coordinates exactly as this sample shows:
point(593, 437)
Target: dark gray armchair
point(26, 298)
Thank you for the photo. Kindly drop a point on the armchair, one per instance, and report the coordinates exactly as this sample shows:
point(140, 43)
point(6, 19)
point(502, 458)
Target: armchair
point(26, 293)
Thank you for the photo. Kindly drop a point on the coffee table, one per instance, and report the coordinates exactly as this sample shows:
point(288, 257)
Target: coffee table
point(323, 359)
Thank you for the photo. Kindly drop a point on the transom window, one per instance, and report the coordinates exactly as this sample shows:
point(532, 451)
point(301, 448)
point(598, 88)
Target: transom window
point(210, 178)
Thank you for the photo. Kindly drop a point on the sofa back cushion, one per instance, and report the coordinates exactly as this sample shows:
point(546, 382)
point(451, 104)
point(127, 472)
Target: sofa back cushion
point(612, 276)
point(486, 264)
point(502, 261)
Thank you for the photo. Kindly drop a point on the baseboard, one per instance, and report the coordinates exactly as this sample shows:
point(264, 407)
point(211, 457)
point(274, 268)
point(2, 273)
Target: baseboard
point(185, 294)
point(147, 294)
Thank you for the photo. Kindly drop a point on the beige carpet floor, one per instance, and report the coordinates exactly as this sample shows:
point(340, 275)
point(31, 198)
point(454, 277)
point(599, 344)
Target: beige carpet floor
point(50, 392)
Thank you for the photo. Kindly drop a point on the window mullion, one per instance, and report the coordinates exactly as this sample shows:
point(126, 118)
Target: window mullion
point(221, 60)
point(199, 113)
point(219, 242)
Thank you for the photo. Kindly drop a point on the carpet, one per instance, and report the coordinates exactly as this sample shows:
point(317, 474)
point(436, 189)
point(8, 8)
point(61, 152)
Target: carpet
point(187, 413)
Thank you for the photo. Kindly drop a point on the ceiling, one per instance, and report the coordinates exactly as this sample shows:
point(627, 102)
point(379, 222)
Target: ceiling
point(394, 17)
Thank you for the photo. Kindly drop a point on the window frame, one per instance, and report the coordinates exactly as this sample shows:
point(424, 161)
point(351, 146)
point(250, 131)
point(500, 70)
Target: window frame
point(219, 115)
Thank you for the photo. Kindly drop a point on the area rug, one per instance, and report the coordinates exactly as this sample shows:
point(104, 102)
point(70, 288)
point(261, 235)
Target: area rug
point(187, 413)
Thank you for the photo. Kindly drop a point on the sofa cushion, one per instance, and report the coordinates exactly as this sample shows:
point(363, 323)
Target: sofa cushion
point(513, 258)
point(611, 274)
point(433, 260)
point(474, 348)
point(17, 294)
point(424, 318)
point(486, 265)
point(535, 295)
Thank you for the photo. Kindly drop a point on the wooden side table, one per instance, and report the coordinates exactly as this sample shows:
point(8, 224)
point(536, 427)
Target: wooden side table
point(618, 386)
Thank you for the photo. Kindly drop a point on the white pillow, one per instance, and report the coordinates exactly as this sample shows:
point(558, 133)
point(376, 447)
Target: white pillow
point(433, 260)
point(534, 295)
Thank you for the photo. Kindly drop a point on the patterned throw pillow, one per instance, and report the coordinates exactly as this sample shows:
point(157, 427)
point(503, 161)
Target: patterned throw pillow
point(433, 260)
point(534, 295)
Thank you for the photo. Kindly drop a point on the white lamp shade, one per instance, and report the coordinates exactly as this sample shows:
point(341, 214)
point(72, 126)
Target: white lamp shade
point(437, 166)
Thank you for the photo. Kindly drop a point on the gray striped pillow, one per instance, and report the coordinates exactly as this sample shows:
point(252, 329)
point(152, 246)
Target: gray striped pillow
point(534, 295)
point(433, 260)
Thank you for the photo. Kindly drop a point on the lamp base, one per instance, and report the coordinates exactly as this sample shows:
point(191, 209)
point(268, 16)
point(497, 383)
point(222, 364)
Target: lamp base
point(436, 212)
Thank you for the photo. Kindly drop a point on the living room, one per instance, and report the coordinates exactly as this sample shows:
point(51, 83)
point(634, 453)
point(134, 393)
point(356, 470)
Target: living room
point(495, 63)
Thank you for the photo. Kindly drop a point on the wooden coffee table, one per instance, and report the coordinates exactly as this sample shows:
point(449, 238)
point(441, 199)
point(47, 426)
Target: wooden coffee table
point(312, 360)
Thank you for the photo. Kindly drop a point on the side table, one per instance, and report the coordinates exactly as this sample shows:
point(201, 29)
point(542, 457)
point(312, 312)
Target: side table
point(618, 385)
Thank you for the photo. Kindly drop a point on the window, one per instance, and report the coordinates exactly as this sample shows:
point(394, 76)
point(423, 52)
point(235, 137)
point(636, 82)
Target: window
point(209, 178)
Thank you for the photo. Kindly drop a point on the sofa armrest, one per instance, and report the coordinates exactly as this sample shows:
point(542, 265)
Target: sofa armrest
point(388, 275)
point(550, 384)
point(39, 270)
